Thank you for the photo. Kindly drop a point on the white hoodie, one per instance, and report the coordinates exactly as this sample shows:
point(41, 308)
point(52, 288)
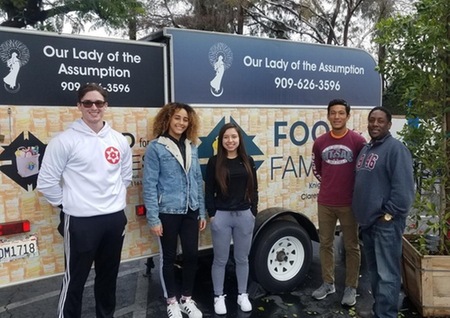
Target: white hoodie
point(86, 172)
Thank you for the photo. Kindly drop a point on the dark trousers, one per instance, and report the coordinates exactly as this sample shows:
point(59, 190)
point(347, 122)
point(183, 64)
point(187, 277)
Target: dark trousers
point(89, 240)
point(186, 227)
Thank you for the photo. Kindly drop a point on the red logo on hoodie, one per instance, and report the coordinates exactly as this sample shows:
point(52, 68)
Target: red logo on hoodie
point(112, 155)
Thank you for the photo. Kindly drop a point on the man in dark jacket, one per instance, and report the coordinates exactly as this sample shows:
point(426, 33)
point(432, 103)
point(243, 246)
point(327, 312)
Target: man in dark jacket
point(382, 197)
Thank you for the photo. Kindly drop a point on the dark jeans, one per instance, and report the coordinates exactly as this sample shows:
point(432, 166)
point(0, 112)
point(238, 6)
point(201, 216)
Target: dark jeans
point(383, 251)
point(184, 226)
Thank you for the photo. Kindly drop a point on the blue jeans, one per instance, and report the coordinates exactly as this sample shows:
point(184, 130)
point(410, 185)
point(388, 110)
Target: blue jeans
point(383, 251)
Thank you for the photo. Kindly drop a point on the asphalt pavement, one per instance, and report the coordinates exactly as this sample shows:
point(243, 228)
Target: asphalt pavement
point(139, 295)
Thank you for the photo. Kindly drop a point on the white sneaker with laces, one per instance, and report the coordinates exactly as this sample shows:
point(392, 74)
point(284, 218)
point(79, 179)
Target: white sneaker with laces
point(189, 307)
point(173, 310)
point(244, 302)
point(219, 305)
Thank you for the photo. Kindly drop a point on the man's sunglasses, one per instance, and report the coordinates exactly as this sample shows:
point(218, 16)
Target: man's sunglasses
point(89, 103)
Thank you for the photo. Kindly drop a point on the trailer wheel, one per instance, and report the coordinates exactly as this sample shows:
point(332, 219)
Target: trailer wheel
point(281, 256)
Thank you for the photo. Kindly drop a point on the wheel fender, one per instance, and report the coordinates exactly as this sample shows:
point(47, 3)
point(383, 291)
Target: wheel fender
point(265, 217)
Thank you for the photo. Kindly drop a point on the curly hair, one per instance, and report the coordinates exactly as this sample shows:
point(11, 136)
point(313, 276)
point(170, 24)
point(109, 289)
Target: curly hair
point(161, 121)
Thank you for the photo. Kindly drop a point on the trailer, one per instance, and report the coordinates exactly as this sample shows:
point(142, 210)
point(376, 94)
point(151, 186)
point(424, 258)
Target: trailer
point(275, 90)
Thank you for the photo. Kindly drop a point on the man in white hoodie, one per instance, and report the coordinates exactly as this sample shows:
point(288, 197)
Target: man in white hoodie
point(85, 172)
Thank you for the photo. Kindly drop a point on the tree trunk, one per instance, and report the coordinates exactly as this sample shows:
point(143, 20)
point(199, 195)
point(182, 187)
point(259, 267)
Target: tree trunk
point(240, 19)
point(446, 189)
point(132, 29)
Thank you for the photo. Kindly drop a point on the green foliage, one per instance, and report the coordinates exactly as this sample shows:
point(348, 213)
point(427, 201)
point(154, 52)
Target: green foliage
point(417, 62)
point(391, 96)
point(211, 15)
point(52, 16)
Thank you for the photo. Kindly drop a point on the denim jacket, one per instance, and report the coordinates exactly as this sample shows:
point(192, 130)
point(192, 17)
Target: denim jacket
point(168, 186)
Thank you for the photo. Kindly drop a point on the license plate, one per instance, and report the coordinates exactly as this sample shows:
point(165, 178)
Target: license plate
point(11, 250)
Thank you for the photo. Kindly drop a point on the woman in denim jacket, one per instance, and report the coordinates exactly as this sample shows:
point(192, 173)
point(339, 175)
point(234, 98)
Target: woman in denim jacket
point(174, 199)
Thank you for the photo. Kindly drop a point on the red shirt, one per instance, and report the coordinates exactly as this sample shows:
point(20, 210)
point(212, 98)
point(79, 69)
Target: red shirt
point(334, 161)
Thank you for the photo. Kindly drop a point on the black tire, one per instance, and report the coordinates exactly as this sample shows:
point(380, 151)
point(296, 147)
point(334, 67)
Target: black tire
point(281, 256)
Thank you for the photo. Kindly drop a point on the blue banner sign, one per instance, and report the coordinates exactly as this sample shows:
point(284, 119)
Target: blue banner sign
point(43, 68)
point(222, 69)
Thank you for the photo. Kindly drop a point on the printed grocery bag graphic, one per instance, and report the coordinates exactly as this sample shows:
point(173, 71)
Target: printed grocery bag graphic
point(21, 159)
point(27, 161)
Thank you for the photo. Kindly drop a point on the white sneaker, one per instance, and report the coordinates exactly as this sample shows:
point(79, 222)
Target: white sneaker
point(219, 305)
point(189, 307)
point(173, 310)
point(244, 302)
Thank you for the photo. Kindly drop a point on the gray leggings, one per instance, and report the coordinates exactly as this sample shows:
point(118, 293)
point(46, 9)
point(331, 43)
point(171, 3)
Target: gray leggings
point(225, 226)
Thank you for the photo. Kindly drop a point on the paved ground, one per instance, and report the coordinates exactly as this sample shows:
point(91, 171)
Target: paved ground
point(141, 297)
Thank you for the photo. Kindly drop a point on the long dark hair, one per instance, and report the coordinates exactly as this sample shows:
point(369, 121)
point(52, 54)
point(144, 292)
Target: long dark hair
point(221, 166)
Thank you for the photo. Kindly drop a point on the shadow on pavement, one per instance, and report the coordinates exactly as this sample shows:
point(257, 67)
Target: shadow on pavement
point(141, 296)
